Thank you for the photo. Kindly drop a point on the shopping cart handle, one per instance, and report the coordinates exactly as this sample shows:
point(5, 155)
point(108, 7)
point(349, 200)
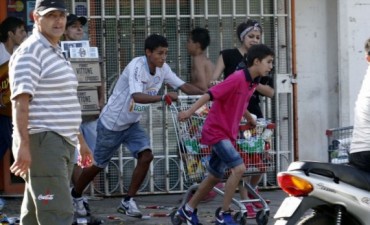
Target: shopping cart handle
point(244, 127)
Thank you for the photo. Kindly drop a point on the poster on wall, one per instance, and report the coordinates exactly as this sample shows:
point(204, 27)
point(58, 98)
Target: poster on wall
point(30, 9)
point(22, 9)
point(81, 9)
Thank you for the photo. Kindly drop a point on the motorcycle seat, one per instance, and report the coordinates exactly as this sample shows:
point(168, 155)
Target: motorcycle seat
point(339, 172)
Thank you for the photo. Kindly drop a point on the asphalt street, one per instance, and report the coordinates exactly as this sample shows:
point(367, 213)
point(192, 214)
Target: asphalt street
point(156, 208)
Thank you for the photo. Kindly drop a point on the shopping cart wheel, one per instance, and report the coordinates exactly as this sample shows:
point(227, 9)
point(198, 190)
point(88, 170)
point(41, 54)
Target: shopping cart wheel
point(262, 218)
point(174, 218)
point(240, 218)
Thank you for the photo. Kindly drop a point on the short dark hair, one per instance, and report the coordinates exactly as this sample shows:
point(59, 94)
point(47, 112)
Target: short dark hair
point(244, 25)
point(367, 46)
point(259, 52)
point(10, 24)
point(201, 36)
point(154, 41)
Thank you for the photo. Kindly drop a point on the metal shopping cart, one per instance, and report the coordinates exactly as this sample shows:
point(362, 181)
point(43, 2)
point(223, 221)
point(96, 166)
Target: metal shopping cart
point(339, 142)
point(252, 143)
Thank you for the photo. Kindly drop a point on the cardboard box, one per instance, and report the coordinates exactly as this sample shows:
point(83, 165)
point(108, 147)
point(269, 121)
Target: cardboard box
point(87, 71)
point(88, 98)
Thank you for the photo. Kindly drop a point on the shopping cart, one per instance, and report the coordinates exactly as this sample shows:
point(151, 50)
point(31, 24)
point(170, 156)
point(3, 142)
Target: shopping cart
point(339, 142)
point(253, 144)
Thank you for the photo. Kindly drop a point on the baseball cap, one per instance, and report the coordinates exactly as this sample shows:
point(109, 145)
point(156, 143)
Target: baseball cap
point(71, 18)
point(44, 6)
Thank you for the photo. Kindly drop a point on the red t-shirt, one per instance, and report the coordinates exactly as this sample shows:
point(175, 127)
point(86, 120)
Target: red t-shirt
point(230, 100)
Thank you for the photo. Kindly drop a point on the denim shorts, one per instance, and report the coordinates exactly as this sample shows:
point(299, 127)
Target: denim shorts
point(224, 156)
point(134, 138)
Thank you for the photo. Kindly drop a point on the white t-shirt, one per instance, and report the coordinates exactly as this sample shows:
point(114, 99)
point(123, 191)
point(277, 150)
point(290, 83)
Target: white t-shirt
point(4, 54)
point(361, 127)
point(121, 111)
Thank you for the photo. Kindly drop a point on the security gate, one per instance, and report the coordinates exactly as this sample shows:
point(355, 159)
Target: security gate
point(119, 27)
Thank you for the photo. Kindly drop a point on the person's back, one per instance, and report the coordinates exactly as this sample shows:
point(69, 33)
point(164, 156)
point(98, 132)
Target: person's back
point(201, 66)
point(360, 146)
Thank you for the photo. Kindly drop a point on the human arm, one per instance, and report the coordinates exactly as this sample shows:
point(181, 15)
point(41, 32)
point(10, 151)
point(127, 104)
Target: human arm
point(265, 90)
point(22, 155)
point(183, 115)
point(191, 89)
point(86, 157)
point(140, 97)
point(250, 120)
point(219, 69)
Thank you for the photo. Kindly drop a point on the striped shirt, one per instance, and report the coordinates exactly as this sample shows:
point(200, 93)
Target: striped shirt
point(40, 70)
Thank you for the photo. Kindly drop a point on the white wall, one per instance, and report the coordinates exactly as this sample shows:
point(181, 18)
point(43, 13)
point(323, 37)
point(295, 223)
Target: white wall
point(330, 37)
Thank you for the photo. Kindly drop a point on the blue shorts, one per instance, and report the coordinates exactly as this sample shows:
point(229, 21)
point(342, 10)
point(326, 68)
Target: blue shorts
point(108, 142)
point(88, 131)
point(224, 156)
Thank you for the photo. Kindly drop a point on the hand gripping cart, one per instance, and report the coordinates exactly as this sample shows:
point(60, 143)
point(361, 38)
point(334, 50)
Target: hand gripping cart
point(254, 145)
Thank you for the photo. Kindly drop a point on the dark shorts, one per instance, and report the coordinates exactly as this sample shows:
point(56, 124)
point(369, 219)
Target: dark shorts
point(360, 160)
point(6, 130)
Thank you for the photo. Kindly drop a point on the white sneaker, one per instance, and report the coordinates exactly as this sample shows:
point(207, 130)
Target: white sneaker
point(79, 207)
point(129, 208)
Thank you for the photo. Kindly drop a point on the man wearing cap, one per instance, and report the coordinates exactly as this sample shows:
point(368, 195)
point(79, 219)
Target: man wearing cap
point(46, 119)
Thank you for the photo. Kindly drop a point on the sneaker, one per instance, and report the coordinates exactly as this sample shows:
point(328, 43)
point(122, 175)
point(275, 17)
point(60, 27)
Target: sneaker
point(79, 207)
point(129, 208)
point(258, 205)
point(251, 212)
point(225, 219)
point(190, 218)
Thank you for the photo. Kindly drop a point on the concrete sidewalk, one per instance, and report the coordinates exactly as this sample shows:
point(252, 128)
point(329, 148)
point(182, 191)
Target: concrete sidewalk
point(105, 208)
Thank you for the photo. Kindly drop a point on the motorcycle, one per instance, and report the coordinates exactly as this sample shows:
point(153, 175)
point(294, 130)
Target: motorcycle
point(324, 194)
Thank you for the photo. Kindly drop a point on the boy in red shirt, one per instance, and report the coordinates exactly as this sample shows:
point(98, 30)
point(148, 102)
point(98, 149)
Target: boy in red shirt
point(229, 102)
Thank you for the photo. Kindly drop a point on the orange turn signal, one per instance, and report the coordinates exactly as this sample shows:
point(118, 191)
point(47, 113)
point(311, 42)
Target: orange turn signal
point(293, 185)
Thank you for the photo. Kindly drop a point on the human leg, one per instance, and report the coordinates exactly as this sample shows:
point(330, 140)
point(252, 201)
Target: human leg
point(231, 185)
point(88, 174)
point(204, 188)
point(47, 195)
point(254, 181)
point(107, 144)
point(137, 141)
point(140, 171)
point(224, 155)
point(251, 212)
point(188, 212)
point(224, 217)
